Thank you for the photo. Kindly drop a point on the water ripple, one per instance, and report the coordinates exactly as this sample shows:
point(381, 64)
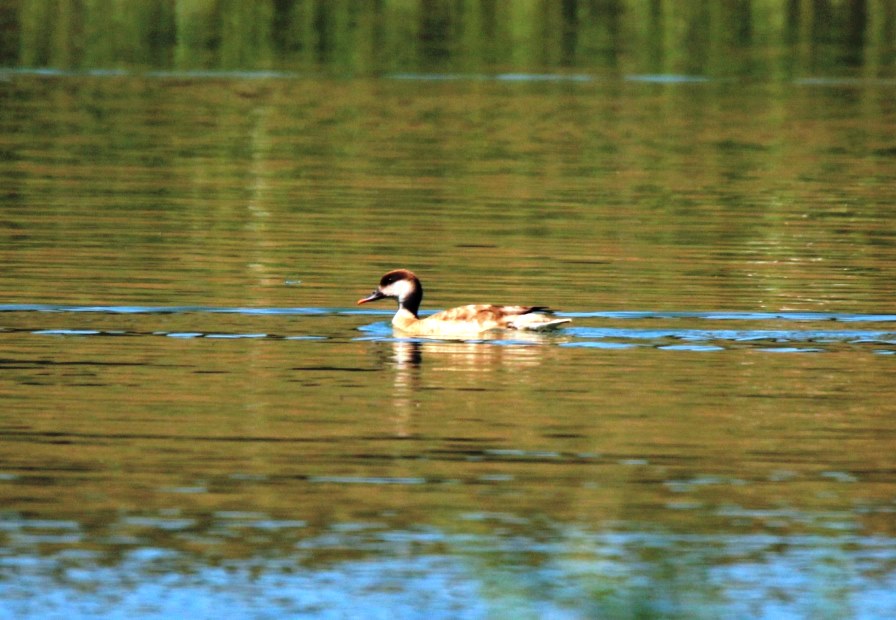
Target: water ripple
point(680, 331)
point(593, 314)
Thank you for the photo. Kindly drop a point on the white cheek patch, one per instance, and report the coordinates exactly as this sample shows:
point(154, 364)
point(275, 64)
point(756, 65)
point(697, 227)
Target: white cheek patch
point(401, 289)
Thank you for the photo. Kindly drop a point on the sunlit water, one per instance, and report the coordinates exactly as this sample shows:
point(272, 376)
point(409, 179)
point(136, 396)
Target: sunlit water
point(197, 421)
point(304, 461)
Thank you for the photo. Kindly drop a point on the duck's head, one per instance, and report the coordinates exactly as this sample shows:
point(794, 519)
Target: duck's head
point(400, 284)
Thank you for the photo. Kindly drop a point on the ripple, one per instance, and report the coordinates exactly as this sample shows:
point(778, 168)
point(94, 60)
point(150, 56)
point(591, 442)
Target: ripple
point(500, 77)
point(801, 338)
point(667, 78)
point(375, 480)
point(692, 347)
point(67, 332)
point(232, 336)
point(733, 316)
point(594, 344)
point(840, 82)
point(165, 309)
point(585, 314)
point(160, 75)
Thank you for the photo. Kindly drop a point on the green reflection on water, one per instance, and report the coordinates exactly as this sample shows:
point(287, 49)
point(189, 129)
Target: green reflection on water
point(634, 36)
point(630, 196)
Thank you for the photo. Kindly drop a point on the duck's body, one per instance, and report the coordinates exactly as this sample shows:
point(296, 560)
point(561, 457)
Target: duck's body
point(461, 322)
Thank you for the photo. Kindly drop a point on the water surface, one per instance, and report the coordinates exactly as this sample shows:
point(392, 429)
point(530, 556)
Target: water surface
point(197, 420)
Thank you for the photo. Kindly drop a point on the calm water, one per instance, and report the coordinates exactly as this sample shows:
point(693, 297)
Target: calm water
point(197, 420)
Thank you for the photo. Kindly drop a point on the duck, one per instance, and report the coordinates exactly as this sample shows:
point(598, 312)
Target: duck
point(457, 323)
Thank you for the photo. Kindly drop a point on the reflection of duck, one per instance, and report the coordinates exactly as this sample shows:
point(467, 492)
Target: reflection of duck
point(462, 322)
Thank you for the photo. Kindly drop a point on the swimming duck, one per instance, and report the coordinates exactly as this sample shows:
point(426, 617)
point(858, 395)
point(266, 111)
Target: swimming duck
point(460, 322)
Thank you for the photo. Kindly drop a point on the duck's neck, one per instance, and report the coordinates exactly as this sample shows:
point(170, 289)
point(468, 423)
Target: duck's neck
point(411, 303)
point(408, 308)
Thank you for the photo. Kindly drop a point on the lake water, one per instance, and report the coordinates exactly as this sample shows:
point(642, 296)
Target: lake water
point(198, 422)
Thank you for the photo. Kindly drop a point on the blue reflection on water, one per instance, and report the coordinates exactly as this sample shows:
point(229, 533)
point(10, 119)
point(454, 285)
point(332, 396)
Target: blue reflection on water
point(226, 75)
point(732, 335)
point(579, 334)
point(667, 78)
point(432, 573)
